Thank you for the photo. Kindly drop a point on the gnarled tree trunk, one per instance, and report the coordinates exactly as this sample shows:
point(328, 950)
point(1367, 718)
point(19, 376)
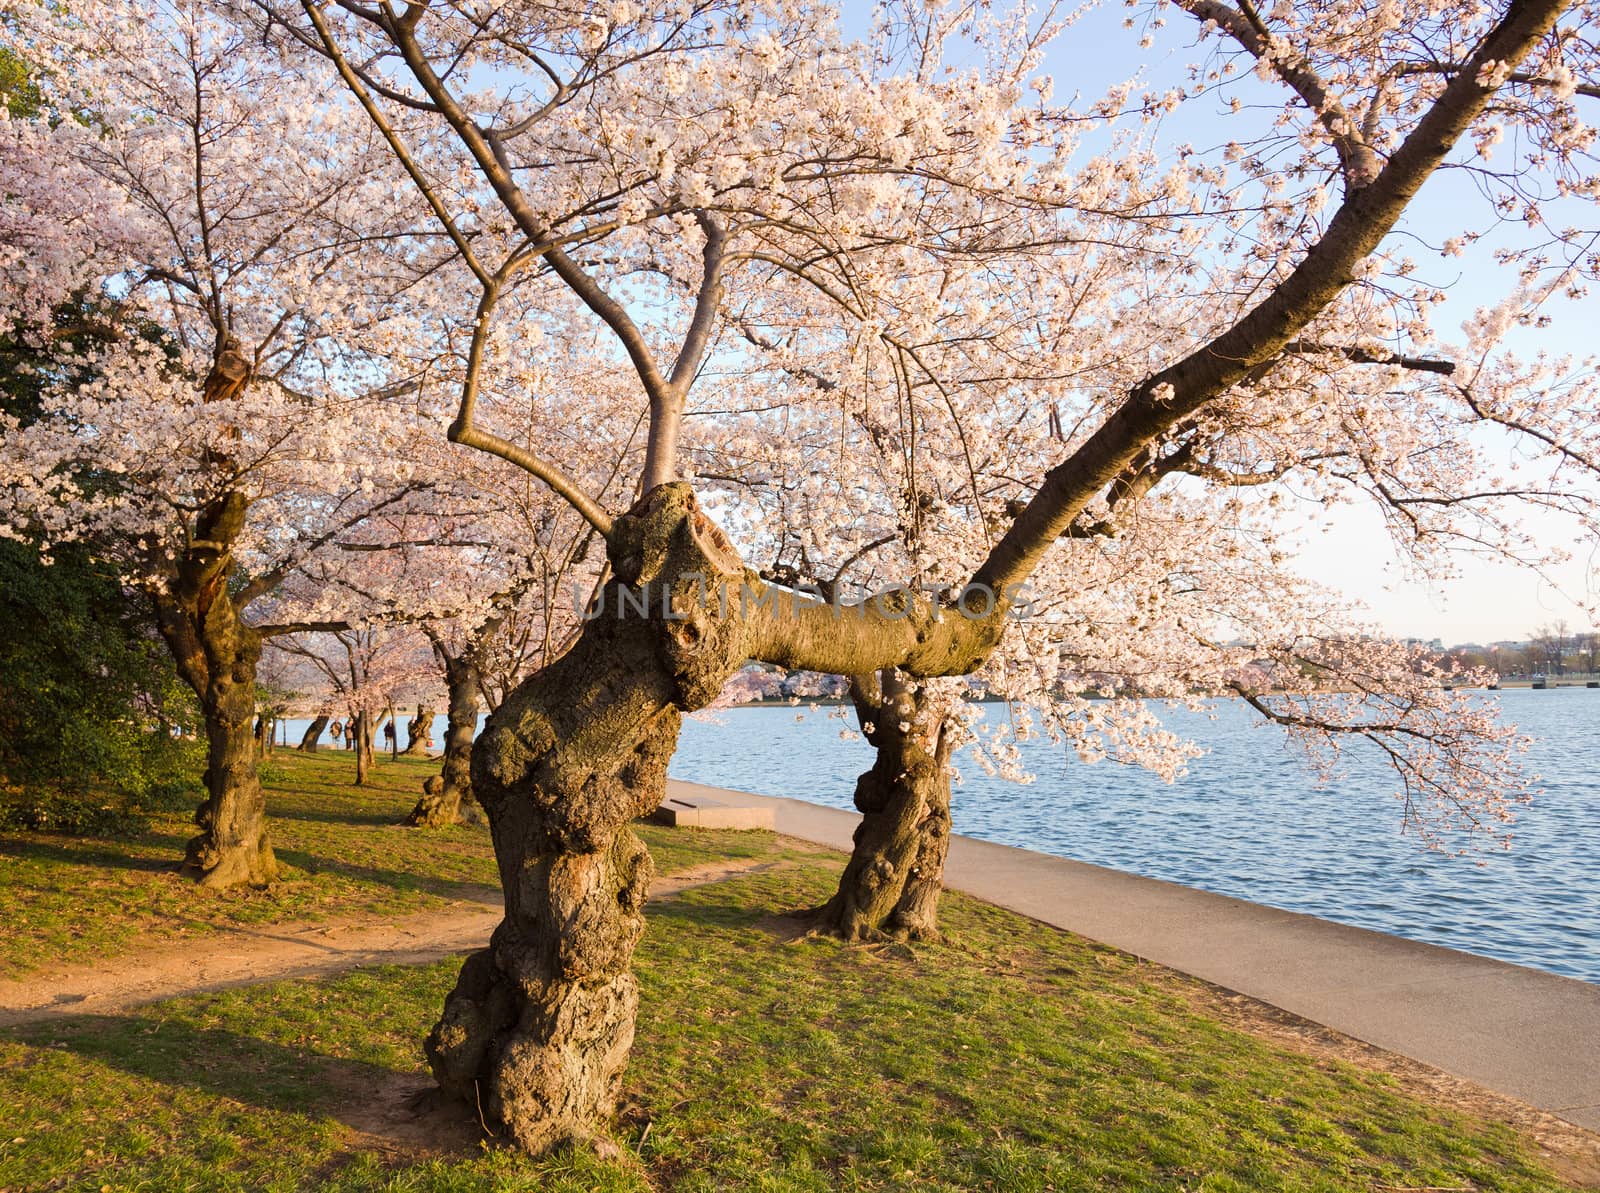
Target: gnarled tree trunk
point(539, 1025)
point(916, 915)
point(313, 734)
point(231, 848)
point(450, 799)
point(417, 730)
point(891, 885)
point(216, 653)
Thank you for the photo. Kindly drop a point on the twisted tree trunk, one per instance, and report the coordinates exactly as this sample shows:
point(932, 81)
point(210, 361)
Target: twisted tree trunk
point(449, 799)
point(231, 848)
point(539, 1025)
point(891, 885)
point(417, 730)
point(313, 734)
point(916, 914)
point(216, 653)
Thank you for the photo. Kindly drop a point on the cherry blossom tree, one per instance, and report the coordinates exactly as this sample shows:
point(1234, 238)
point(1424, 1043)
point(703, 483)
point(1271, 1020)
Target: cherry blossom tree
point(226, 431)
point(495, 570)
point(712, 182)
point(60, 224)
point(365, 670)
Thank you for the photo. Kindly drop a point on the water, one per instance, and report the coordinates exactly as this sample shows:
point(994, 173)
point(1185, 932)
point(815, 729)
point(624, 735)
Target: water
point(1248, 820)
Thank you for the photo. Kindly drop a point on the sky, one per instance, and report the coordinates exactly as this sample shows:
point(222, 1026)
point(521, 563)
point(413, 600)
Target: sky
point(1487, 602)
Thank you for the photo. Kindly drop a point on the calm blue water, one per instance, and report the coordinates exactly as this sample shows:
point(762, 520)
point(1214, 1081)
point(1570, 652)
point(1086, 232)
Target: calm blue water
point(1248, 820)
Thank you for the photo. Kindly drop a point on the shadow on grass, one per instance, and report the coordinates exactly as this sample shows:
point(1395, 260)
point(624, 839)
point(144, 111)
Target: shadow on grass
point(396, 1106)
point(689, 914)
point(105, 853)
point(397, 880)
point(366, 817)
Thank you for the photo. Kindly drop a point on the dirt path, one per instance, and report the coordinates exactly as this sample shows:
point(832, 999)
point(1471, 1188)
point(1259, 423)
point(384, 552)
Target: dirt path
point(249, 955)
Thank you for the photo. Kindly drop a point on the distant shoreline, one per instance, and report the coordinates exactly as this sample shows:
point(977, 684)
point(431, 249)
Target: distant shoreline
point(1579, 682)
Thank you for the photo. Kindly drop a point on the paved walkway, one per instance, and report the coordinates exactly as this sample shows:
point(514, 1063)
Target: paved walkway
point(1521, 1032)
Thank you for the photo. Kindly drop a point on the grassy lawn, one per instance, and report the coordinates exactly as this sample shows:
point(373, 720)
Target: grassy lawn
point(1014, 1057)
point(79, 899)
point(1018, 1058)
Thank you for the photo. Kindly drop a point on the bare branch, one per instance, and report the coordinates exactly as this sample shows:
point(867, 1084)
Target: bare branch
point(463, 431)
point(279, 629)
point(1592, 90)
point(1363, 356)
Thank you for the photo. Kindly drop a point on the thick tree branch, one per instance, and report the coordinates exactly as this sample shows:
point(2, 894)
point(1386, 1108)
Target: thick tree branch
point(706, 305)
point(279, 629)
point(464, 432)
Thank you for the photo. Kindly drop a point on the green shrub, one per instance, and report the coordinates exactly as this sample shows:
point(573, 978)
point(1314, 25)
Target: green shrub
point(88, 700)
point(40, 809)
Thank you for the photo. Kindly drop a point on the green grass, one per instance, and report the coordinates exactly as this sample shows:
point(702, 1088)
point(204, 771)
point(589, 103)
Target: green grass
point(1019, 1058)
point(1015, 1058)
point(80, 899)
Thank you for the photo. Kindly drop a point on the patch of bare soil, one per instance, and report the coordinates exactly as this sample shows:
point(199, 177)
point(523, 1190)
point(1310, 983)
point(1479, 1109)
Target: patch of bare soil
point(405, 1119)
point(1572, 1152)
point(246, 956)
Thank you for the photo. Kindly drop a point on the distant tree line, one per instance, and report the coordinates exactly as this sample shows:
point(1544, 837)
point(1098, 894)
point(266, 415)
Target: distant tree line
point(1552, 649)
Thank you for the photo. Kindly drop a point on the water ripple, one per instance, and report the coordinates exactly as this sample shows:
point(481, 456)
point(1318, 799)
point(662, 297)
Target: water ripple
point(1249, 821)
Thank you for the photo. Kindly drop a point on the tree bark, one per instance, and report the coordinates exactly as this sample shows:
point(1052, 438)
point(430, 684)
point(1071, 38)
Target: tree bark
point(891, 885)
point(450, 801)
point(231, 848)
point(417, 731)
point(313, 734)
point(539, 1025)
point(361, 740)
point(216, 653)
point(916, 914)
